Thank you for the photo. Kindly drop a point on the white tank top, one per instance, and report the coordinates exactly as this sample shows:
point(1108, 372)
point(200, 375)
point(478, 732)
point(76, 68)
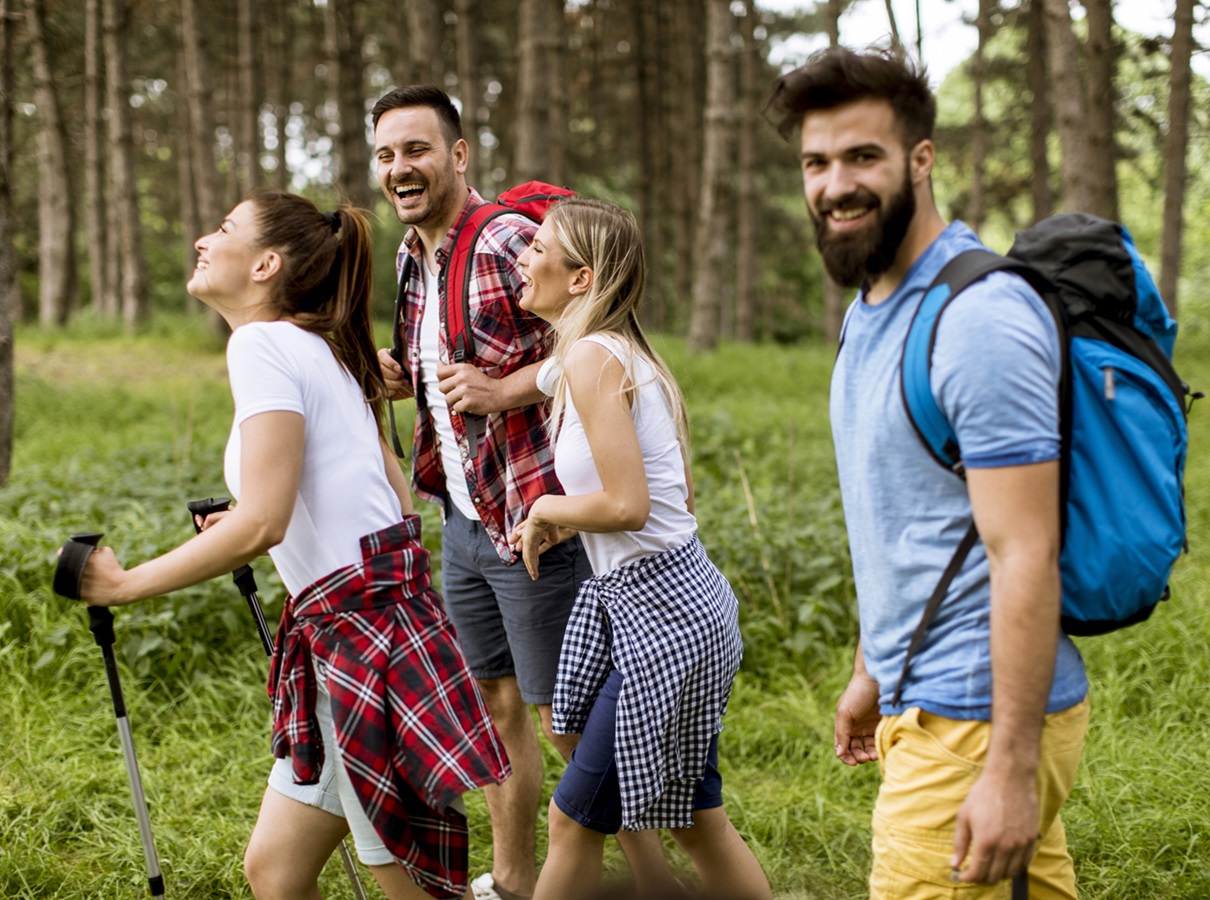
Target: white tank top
point(670, 523)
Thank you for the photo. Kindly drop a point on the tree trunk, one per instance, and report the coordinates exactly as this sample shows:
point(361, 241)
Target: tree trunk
point(1175, 152)
point(201, 127)
point(919, 34)
point(540, 146)
point(94, 164)
point(747, 209)
point(711, 235)
point(1037, 79)
point(896, 43)
point(650, 175)
point(1102, 109)
point(469, 88)
point(56, 214)
point(530, 158)
point(1065, 84)
point(976, 207)
point(557, 99)
point(833, 293)
point(191, 223)
point(201, 117)
point(247, 131)
point(277, 82)
point(685, 52)
point(115, 18)
point(423, 41)
point(8, 254)
point(352, 178)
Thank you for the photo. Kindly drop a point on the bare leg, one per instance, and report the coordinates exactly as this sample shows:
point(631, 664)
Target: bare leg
point(644, 852)
point(397, 885)
point(513, 805)
point(573, 865)
point(288, 848)
point(724, 863)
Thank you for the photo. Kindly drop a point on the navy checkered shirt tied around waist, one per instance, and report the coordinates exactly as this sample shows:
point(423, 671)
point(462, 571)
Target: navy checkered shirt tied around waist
point(379, 634)
point(669, 623)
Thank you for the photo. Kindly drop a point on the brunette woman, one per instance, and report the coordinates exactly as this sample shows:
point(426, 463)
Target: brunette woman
point(378, 726)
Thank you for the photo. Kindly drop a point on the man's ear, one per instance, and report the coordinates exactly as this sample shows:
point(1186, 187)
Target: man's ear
point(461, 152)
point(922, 157)
point(267, 265)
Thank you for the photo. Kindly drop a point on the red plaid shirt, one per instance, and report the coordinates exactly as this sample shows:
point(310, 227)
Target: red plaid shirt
point(411, 724)
point(515, 465)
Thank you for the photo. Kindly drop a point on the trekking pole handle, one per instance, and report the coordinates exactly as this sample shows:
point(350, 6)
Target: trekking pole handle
point(69, 578)
point(244, 577)
point(205, 507)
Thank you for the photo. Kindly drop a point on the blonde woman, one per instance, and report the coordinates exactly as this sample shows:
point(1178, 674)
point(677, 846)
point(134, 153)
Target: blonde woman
point(378, 726)
point(653, 643)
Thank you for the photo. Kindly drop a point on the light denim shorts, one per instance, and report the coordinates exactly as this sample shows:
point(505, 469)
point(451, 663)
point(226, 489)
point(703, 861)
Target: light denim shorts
point(333, 793)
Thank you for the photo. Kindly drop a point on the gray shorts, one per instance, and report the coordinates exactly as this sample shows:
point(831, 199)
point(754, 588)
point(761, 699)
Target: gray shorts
point(506, 623)
point(334, 792)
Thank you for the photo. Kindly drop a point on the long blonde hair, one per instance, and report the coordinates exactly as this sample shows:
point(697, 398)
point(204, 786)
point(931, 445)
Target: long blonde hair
point(607, 239)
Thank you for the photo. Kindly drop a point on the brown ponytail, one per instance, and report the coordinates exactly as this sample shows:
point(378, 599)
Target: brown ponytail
point(324, 285)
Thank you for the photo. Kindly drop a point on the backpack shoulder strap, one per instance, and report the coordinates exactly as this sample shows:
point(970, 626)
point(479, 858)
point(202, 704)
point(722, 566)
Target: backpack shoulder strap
point(926, 417)
point(458, 276)
point(405, 276)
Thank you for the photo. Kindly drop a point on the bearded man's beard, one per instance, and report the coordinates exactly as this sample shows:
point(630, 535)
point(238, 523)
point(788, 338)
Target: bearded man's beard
point(852, 257)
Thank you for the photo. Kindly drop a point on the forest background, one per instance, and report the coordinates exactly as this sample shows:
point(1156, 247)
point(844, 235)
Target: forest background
point(129, 127)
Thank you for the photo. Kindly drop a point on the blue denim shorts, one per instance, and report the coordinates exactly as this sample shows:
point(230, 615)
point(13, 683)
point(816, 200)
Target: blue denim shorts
point(589, 792)
point(507, 623)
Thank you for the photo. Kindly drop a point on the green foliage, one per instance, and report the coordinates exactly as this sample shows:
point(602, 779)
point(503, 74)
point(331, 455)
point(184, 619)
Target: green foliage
point(767, 503)
point(118, 434)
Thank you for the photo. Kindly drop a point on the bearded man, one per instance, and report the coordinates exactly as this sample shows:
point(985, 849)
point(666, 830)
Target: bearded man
point(979, 741)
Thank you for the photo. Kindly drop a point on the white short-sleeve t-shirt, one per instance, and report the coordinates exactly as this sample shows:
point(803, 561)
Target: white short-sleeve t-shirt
point(343, 493)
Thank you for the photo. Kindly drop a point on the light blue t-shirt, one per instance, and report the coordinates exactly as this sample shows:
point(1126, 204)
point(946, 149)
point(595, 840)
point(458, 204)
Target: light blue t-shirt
point(995, 375)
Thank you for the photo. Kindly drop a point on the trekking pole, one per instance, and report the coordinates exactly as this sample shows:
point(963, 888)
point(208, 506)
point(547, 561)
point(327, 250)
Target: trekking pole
point(1021, 885)
point(69, 573)
point(243, 577)
point(245, 581)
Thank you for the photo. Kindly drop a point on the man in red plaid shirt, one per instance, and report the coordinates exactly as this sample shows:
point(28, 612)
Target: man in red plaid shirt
point(511, 628)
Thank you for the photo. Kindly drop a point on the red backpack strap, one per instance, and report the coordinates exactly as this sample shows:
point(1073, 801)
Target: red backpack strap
point(458, 273)
point(531, 199)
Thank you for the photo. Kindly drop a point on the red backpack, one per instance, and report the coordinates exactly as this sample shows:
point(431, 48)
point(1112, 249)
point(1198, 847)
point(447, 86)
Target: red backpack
point(531, 199)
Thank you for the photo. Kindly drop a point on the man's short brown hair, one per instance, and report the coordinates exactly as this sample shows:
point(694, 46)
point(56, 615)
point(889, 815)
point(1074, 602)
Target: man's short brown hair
point(838, 76)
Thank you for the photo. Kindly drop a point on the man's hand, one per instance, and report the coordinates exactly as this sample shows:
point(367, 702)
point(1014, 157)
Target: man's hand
point(856, 719)
point(468, 390)
point(398, 383)
point(997, 828)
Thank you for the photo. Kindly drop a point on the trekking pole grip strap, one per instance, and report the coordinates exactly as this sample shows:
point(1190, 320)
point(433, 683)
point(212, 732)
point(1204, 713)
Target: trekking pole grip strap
point(73, 557)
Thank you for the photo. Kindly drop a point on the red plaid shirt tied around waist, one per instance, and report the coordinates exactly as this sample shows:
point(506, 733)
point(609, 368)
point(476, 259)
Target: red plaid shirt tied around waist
point(515, 465)
point(413, 730)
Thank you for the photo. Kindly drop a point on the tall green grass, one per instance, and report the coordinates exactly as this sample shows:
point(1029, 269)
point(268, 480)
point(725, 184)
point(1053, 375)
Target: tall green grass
point(116, 433)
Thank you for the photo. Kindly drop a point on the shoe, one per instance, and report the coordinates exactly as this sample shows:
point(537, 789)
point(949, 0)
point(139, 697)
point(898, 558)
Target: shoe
point(484, 887)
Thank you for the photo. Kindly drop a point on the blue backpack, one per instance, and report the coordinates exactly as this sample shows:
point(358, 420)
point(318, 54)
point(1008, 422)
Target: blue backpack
point(1122, 412)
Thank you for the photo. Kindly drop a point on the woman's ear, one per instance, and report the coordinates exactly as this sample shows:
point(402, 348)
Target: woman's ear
point(267, 265)
point(581, 280)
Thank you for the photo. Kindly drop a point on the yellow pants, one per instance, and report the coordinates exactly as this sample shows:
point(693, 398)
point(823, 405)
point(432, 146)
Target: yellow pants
point(928, 765)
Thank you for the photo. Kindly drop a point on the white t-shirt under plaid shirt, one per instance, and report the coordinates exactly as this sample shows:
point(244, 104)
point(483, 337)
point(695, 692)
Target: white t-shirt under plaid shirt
point(657, 610)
